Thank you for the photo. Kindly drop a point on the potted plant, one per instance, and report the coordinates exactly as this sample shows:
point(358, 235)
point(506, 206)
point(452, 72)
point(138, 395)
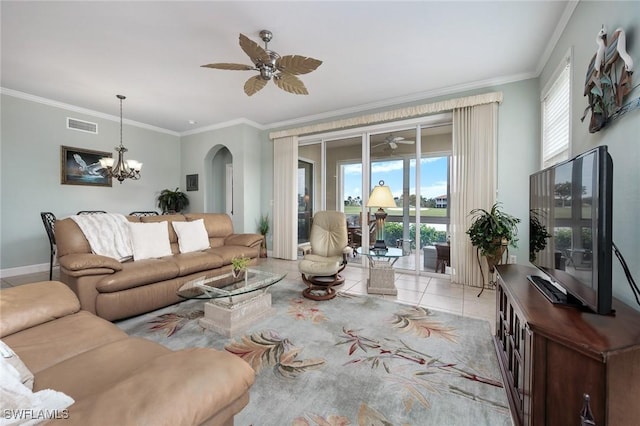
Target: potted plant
point(172, 201)
point(239, 266)
point(538, 235)
point(492, 231)
point(263, 229)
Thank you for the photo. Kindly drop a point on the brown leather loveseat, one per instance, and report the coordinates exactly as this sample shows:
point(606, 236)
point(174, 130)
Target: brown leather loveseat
point(115, 290)
point(115, 379)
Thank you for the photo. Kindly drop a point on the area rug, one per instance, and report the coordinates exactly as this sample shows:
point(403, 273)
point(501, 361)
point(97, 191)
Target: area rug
point(353, 360)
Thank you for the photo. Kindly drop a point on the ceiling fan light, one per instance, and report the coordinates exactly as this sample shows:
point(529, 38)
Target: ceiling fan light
point(266, 73)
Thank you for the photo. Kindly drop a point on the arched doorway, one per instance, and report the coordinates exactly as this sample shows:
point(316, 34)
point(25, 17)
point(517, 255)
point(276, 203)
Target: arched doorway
point(219, 180)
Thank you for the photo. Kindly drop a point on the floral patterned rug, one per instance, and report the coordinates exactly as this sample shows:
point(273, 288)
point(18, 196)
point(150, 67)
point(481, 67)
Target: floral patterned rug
point(353, 360)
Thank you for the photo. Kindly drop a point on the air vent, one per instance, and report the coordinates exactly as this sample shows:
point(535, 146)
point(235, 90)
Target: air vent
point(82, 126)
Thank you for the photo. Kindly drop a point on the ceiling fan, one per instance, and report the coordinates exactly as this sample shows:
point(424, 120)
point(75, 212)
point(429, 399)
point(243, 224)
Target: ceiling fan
point(393, 141)
point(283, 69)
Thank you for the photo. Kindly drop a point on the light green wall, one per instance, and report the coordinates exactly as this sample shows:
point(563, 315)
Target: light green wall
point(518, 148)
point(246, 145)
point(31, 136)
point(621, 136)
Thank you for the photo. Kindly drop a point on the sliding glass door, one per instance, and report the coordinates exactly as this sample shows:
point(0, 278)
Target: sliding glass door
point(412, 160)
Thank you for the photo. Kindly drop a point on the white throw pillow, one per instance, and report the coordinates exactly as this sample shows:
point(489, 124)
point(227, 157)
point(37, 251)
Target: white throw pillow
point(150, 240)
point(192, 236)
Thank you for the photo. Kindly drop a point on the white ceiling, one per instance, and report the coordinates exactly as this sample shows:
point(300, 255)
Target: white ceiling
point(374, 54)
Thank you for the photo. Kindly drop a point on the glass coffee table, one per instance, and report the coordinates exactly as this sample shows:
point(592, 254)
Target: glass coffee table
point(233, 304)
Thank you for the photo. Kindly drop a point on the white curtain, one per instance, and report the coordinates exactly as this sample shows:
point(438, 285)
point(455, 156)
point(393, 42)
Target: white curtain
point(285, 206)
point(473, 184)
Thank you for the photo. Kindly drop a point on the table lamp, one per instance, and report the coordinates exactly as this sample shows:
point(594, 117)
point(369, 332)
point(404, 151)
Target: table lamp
point(380, 197)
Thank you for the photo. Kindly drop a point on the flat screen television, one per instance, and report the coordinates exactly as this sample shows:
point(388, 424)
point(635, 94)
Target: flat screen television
point(570, 221)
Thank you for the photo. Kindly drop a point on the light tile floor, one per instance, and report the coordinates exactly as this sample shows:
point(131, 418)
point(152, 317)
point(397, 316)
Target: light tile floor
point(429, 291)
point(434, 291)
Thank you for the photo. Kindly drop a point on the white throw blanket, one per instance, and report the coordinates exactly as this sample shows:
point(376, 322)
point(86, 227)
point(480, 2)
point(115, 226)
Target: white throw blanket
point(21, 406)
point(108, 234)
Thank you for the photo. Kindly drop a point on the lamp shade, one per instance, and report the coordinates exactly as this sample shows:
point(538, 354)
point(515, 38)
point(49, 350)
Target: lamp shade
point(381, 196)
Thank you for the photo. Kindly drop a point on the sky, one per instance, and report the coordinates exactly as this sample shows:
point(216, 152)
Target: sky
point(433, 173)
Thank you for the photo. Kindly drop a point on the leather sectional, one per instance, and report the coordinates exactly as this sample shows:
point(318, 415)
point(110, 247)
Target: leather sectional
point(115, 379)
point(114, 290)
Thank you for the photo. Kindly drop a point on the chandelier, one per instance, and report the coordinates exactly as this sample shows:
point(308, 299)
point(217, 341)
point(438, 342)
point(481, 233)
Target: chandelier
point(129, 169)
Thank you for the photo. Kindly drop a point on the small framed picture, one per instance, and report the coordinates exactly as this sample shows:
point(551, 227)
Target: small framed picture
point(82, 167)
point(192, 182)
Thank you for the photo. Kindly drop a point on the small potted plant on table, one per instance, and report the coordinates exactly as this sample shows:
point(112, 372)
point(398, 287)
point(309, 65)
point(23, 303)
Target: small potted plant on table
point(239, 265)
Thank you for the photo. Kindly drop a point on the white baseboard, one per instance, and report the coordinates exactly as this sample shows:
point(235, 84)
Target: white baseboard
point(24, 270)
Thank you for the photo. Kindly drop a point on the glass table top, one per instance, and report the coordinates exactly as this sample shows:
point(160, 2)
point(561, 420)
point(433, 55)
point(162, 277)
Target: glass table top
point(390, 252)
point(227, 285)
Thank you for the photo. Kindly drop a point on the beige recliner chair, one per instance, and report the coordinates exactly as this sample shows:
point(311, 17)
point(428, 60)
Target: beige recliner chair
point(325, 256)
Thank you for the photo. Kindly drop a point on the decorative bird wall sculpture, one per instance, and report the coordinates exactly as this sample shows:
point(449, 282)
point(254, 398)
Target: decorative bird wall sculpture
point(608, 79)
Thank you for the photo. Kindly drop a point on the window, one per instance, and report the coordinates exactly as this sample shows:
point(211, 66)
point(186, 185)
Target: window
point(556, 115)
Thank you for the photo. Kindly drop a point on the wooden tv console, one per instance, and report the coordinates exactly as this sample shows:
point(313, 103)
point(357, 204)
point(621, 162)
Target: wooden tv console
point(550, 356)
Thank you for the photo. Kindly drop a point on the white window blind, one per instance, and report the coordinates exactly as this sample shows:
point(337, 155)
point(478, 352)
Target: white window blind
point(556, 118)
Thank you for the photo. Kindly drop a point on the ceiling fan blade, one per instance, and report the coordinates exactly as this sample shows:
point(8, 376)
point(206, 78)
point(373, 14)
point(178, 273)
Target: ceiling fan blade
point(378, 145)
point(393, 145)
point(253, 50)
point(290, 83)
point(228, 66)
point(406, 142)
point(296, 64)
point(254, 84)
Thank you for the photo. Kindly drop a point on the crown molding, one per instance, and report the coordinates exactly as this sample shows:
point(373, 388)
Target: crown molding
point(451, 90)
point(89, 112)
point(555, 37)
point(223, 125)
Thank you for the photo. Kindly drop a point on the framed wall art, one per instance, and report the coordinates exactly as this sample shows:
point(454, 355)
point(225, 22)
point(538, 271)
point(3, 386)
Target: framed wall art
point(82, 167)
point(192, 182)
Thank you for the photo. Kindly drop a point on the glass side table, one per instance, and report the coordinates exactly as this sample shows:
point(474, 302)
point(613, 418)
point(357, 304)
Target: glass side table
point(381, 274)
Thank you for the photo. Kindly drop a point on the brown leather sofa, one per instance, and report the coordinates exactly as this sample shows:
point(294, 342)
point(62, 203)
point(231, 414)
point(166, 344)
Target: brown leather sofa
point(115, 379)
point(114, 290)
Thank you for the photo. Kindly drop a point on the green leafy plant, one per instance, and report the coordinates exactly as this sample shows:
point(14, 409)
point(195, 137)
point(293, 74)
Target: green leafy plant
point(172, 201)
point(263, 229)
point(538, 235)
point(491, 230)
point(428, 234)
point(240, 263)
point(263, 224)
